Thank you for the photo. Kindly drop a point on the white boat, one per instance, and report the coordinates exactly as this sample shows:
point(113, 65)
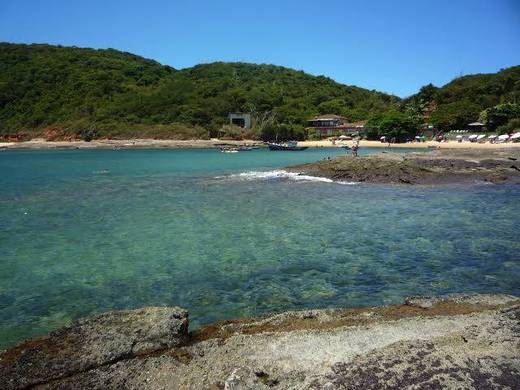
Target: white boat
point(287, 146)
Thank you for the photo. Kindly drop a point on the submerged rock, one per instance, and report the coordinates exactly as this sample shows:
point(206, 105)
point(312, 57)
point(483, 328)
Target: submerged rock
point(455, 341)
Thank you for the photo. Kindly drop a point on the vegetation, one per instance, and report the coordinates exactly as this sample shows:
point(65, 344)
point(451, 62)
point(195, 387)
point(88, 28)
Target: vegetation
point(74, 93)
point(468, 98)
point(401, 126)
point(500, 115)
point(121, 95)
point(512, 126)
point(483, 90)
point(455, 115)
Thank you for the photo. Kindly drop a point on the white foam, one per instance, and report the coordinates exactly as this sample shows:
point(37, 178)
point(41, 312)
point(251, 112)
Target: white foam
point(281, 174)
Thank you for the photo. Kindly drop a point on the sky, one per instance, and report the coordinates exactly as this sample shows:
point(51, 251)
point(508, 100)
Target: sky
point(395, 46)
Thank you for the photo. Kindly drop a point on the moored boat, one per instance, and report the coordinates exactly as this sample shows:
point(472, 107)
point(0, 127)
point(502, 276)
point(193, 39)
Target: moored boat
point(288, 146)
point(229, 150)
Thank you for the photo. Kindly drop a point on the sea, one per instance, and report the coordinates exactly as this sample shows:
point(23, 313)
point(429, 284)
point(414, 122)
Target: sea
point(233, 235)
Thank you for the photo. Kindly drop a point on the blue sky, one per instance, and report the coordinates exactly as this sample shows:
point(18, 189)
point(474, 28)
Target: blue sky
point(394, 46)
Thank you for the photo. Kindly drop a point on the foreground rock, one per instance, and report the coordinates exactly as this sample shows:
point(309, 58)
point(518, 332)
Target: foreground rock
point(91, 343)
point(437, 167)
point(451, 342)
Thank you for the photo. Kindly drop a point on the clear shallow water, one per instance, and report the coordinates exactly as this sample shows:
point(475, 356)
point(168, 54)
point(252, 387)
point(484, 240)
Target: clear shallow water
point(185, 227)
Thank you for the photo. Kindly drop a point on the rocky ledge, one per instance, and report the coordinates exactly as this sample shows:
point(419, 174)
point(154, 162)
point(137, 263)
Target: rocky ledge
point(443, 166)
point(457, 341)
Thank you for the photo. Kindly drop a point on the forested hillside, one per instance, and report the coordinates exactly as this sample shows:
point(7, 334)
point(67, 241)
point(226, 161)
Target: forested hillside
point(67, 92)
point(100, 93)
point(470, 98)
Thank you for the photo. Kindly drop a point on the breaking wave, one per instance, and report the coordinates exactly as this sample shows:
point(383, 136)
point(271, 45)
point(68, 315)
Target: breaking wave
point(281, 174)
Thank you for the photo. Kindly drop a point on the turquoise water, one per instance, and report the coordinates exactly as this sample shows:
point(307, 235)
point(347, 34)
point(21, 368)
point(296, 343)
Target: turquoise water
point(83, 232)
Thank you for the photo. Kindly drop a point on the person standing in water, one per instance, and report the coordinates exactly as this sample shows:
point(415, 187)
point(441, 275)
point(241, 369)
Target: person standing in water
point(355, 148)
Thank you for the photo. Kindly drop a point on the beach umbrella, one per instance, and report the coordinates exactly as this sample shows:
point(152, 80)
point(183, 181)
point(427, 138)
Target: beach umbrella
point(492, 136)
point(343, 137)
point(516, 135)
point(458, 136)
point(503, 137)
point(481, 136)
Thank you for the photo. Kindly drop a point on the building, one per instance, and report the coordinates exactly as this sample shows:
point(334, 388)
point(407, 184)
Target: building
point(240, 119)
point(330, 125)
point(476, 126)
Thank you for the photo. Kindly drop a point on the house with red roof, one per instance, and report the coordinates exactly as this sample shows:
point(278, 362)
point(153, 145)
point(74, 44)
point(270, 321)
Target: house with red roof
point(330, 125)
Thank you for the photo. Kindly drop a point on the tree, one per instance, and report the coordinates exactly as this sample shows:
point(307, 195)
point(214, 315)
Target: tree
point(500, 115)
point(455, 115)
point(333, 106)
point(393, 124)
point(427, 93)
point(263, 120)
point(283, 132)
point(510, 127)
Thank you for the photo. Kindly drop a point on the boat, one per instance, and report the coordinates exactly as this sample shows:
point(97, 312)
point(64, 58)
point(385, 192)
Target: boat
point(288, 146)
point(229, 150)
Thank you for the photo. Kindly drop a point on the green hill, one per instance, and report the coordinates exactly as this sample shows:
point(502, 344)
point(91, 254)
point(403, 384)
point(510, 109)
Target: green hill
point(484, 90)
point(464, 99)
point(65, 91)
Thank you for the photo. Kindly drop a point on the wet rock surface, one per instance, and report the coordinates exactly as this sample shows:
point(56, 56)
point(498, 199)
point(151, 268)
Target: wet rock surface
point(436, 167)
point(455, 341)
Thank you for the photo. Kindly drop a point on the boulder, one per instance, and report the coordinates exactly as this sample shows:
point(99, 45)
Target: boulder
point(93, 342)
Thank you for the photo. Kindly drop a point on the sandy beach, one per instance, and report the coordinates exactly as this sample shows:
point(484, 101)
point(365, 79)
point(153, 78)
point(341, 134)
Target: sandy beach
point(40, 143)
point(424, 145)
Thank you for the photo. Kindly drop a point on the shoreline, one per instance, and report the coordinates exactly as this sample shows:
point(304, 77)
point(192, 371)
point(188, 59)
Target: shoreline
point(418, 145)
point(216, 143)
point(425, 341)
point(126, 144)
